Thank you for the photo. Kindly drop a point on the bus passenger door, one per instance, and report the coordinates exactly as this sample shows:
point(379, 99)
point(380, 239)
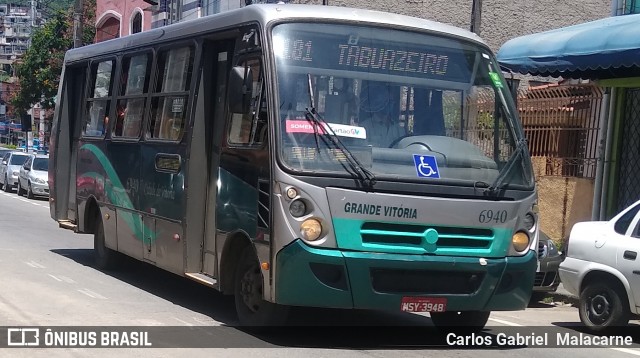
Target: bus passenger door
point(64, 149)
point(214, 82)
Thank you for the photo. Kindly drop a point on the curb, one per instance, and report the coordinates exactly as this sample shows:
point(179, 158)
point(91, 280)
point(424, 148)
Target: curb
point(560, 295)
point(563, 297)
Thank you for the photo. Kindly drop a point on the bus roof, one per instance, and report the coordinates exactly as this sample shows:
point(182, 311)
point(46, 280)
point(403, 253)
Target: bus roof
point(265, 13)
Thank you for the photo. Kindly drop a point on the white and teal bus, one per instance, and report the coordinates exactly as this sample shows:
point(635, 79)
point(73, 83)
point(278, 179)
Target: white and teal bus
point(296, 155)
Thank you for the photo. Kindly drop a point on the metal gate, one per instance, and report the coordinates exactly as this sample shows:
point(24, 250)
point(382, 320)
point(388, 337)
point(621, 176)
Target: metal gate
point(629, 175)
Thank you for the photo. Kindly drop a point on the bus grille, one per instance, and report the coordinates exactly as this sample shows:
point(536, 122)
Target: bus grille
point(425, 281)
point(414, 235)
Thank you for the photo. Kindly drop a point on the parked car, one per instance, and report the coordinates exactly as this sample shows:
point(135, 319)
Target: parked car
point(549, 259)
point(34, 175)
point(602, 268)
point(4, 151)
point(10, 169)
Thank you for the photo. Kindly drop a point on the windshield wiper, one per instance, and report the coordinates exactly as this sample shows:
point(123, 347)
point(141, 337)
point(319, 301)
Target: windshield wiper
point(521, 146)
point(367, 178)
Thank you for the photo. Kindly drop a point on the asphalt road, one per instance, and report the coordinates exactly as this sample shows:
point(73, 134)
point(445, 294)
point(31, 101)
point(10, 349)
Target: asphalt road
point(47, 280)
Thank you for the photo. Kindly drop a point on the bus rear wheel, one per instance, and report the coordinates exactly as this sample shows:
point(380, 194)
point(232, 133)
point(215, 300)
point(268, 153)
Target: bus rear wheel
point(105, 258)
point(252, 309)
point(468, 320)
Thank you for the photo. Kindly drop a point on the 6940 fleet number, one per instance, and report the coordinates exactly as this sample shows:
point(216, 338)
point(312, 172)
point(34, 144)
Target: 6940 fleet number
point(493, 216)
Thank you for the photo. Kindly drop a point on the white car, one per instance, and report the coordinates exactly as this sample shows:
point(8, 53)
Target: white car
point(34, 176)
point(602, 268)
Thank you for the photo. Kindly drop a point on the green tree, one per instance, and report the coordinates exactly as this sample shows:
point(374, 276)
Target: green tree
point(39, 69)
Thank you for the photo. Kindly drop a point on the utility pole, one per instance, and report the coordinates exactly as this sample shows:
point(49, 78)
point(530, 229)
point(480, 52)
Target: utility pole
point(476, 16)
point(77, 24)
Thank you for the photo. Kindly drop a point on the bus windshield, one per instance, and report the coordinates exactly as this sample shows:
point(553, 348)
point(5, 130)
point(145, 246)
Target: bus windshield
point(407, 106)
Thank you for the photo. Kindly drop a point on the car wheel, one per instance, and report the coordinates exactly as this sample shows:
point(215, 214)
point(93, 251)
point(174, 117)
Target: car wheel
point(29, 191)
point(19, 189)
point(467, 320)
point(105, 258)
point(252, 309)
point(6, 184)
point(603, 307)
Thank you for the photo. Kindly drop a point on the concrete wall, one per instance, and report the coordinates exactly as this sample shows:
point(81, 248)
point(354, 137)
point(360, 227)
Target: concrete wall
point(501, 19)
point(563, 201)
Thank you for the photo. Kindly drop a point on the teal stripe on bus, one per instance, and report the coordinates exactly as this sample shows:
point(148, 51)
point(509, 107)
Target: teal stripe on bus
point(117, 194)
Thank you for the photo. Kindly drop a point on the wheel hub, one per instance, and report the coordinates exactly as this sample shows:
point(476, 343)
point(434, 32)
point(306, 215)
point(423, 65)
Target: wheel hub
point(599, 307)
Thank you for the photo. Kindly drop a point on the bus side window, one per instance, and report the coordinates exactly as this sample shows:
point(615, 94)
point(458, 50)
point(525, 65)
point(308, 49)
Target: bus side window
point(250, 128)
point(170, 99)
point(98, 99)
point(134, 85)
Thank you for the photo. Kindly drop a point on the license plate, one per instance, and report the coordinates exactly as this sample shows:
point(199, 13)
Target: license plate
point(423, 304)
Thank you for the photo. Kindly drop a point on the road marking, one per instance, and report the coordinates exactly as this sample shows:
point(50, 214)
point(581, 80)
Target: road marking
point(62, 279)
point(34, 264)
point(55, 278)
point(183, 322)
point(505, 322)
point(91, 294)
point(627, 350)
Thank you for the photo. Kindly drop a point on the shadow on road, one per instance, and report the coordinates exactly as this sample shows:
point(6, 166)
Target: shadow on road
point(308, 327)
point(540, 304)
point(166, 285)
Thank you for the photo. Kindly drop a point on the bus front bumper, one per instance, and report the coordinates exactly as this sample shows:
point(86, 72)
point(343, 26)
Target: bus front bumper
point(308, 276)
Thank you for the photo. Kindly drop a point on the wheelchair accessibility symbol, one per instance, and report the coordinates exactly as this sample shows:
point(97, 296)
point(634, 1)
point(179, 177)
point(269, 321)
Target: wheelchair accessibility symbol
point(426, 166)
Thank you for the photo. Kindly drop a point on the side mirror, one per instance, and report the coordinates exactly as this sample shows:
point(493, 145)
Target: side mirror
point(240, 88)
point(4, 162)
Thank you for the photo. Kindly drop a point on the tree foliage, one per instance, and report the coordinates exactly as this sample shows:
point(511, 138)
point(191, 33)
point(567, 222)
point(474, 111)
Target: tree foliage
point(39, 69)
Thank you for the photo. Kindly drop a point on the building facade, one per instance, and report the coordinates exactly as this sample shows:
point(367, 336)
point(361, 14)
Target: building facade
point(16, 26)
point(117, 18)
point(500, 20)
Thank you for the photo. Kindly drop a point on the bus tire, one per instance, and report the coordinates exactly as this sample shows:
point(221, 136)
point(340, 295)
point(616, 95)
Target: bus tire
point(252, 309)
point(603, 307)
point(468, 320)
point(105, 258)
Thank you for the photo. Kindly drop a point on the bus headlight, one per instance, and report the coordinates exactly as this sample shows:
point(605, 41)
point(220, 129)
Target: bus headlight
point(310, 229)
point(520, 241)
point(529, 221)
point(297, 208)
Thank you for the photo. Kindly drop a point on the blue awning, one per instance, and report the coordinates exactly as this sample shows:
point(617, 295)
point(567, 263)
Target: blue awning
point(606, 48)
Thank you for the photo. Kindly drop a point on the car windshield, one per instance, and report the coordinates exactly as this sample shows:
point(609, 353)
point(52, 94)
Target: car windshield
point(18, 159)
point(41, 164)
point(408, 106)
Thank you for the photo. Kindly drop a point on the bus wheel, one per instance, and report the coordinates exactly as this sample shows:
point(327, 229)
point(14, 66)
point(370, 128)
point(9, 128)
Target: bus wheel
point(252, 309)
point(105, 258)
point(470, 320)
point(603, 307)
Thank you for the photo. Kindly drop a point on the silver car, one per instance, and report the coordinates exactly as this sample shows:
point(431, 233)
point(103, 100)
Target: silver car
point(34, 176)
point(10, 169)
